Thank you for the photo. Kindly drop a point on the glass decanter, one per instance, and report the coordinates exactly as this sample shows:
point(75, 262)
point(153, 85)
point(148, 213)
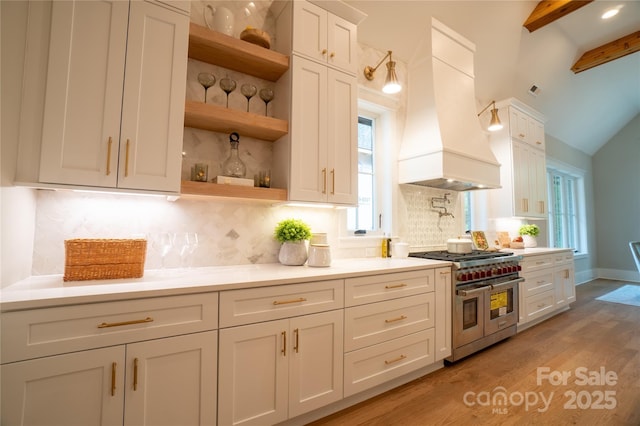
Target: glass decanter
point(233, 166)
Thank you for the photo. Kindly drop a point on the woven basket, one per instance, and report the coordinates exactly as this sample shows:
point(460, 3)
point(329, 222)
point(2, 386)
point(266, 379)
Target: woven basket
point(100, 259)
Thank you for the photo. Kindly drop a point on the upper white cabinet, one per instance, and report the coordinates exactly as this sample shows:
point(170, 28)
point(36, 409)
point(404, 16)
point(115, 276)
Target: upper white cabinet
point(317, 160)
point(325, 37)
point(114, 102)
point(519, 148)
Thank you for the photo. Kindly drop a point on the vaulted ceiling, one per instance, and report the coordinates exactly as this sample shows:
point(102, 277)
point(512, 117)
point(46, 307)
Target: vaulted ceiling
point(584, 109)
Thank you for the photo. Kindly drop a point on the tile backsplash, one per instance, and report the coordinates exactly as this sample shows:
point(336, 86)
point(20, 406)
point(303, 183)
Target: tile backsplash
point(231, 232)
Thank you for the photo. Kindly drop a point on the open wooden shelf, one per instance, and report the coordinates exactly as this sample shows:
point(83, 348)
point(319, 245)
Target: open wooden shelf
point(220, 119)
point(232, 191)
point(220, 49)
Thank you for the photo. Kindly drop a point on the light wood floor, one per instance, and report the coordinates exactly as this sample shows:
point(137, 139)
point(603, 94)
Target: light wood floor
point(593, 334)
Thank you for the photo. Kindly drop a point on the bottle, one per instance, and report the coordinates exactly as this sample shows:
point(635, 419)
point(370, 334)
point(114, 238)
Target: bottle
point(233, 166)
point(385, 246)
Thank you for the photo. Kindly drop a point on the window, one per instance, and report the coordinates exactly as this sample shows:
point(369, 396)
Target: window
point(566, 209)
point(363, 216)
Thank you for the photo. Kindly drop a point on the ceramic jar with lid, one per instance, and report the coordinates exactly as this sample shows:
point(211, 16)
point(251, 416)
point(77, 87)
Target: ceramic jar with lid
point(319, 255)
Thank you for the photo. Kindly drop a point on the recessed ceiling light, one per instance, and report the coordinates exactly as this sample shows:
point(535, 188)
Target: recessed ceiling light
point(610, 13)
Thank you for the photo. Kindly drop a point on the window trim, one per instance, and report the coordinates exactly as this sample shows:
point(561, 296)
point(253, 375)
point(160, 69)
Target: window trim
point(578, 174)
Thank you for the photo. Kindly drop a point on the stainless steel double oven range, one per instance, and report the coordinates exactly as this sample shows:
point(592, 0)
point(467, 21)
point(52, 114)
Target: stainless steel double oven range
point(485, 298)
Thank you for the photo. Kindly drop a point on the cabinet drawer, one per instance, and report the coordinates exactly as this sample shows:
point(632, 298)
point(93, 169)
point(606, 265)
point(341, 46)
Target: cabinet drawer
point(539, 305)
point(41, 332)
point(535, 263)
point(369, 367)
point(378, 288)
point(251, 305)
point(374, 323)
point(563, 258)
point(538, 283)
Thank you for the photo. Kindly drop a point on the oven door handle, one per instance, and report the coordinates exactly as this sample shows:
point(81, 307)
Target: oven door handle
point(473, 291)
point(508, 283)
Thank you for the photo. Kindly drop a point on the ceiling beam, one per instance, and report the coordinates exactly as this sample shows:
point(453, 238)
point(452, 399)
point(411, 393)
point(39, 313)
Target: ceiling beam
point(608, 52)
point(548, 11)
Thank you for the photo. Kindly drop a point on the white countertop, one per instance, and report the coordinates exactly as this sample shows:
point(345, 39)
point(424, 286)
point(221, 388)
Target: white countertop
point(535, 250)
point(51, 290)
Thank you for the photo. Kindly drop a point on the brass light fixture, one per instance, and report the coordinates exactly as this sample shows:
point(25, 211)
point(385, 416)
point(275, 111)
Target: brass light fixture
point(391, 84)
point(494, 124)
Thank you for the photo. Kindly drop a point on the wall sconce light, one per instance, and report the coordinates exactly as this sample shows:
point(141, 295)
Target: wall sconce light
point(494, 124)
point(391, 84)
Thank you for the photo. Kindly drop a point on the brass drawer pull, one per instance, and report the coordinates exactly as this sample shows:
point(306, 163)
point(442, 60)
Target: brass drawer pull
point(395, 286)
point(324, 180)
point(119, 324)
point(445, 272)
point(296, 346)
point(284, 302)
point(284, 343)
point(113, 379)
point(126, 159)
point(135, 374)
point(391, 361)
point(333, 181)
point(109, 144)
point(400, 318)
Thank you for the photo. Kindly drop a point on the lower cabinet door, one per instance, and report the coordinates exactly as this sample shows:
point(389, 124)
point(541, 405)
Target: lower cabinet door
point(172, 381)
point(252, 378)
point(315, 365)
point(82, 388)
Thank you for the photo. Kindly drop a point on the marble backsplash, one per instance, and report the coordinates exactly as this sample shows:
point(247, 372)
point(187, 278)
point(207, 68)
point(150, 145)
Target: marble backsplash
point(231, 232)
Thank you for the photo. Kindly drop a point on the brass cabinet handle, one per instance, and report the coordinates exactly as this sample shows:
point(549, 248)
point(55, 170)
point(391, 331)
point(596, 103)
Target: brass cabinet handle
point(284, 343)
point(566, 273)
point(126, 159)
point(333, 181)
point(332, 54)
point(541, 206)
point(324, 180)
point(119, 324)
point(521, 135)
point(391, 361)
point(400, 318)
point(135, 374)
point(538, 143)
point(445, 272)
point(324, 52)
point(395, 286)
point(284, 302)
point(296, 345)
point(113, 378)
point(109, 144)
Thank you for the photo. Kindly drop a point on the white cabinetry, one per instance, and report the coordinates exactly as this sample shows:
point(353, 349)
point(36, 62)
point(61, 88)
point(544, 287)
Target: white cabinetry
point(549, 286)
point(389, 327)
point(520, 150)
point(317, 160)
point(274, 370)
point(324, 37)
point(114, 103)
point(167, 380)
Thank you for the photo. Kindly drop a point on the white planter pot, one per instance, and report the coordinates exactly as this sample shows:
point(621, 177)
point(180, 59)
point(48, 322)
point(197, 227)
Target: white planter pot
point(293, 253)
point(529, 241)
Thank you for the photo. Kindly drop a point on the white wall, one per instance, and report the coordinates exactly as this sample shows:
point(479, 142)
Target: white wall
point(616, 175)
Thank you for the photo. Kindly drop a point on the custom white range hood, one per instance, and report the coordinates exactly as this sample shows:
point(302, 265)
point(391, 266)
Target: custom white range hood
point(443, 144)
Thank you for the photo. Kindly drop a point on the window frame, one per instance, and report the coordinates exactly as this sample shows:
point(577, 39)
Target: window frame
point(566, 173)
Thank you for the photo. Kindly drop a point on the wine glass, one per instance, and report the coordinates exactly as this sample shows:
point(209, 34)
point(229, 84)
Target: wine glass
point(249, 91)
point(207, 80)
point(266, 95)
point(188, 242)
point(227, 85)
point(165, 243)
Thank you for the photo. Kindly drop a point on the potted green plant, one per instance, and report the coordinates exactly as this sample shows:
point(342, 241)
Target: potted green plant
point(292, 233)
point(529, 233)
